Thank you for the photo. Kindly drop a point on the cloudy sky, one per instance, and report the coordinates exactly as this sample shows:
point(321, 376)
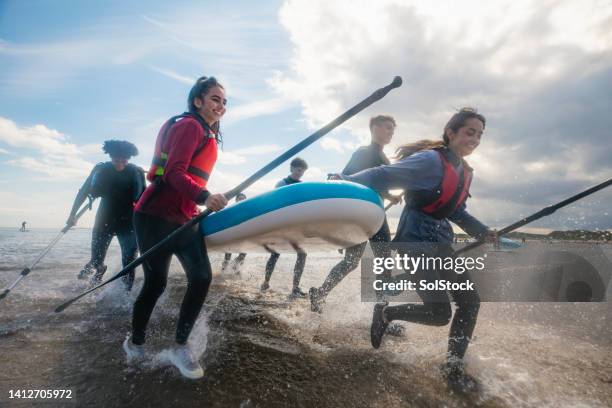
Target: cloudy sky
point(77, 73)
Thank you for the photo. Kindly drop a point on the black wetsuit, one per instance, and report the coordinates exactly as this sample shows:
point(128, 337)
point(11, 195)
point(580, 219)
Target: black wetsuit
point(190, 249)
point(118, 190)
point(300, 262)
point(364, 158)
point(238, 260)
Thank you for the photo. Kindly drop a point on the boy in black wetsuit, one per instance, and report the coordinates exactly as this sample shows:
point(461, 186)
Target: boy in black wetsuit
point(119, 184)
point(297, 167)
point(239, 260)
point(382, 128)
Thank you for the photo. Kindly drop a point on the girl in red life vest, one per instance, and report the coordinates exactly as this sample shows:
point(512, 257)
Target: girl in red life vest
point(436, 180)
point(185, 153)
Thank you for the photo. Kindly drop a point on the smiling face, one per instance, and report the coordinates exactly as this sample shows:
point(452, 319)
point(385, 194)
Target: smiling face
point(467, 138)
point(382, 132)
point(211, 106)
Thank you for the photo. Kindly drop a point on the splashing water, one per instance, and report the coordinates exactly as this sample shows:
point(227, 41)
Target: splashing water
point(263, 350)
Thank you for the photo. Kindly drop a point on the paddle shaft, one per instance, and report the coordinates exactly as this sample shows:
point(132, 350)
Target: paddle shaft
point(376, 96)
point(542, 213)
point(29, 268)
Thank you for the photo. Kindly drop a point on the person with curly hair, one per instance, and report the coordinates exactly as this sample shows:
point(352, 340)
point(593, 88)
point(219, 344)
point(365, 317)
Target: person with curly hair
point(119, 184)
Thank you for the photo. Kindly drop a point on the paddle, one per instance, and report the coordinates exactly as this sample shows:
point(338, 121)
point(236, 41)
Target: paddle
point(542, 213)
point(376, 96)
point(28, 269)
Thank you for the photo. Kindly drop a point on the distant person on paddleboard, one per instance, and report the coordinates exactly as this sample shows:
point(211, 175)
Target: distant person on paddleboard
point(436, 181)
point(119, 184)
point(382, 128)
point(23, 226)
point(239, 260)
point(297, 168)
point(184, 157)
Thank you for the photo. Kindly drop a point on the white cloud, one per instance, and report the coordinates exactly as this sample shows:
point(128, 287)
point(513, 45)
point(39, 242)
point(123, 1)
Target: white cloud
point(222, 181)
point(58, 167)
point(258, 149)
point(55, 156)
point(173, 75)
point(240, 156)
point(230, 158)
point(537, 70)
point(37, 137)
point(64, 61)
point(256, 108)
point(449, 53)
point(329, 143)
point(314, 174)
point(91, 148)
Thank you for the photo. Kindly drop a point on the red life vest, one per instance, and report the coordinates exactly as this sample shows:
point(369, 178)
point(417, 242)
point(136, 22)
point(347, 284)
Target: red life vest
point(452, 191)
point(203, 159)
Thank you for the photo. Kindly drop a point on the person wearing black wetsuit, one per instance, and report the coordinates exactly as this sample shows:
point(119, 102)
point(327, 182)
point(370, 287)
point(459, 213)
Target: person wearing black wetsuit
point(119, 184)
point(239, 260)
point(297, 167)
point(382, 128)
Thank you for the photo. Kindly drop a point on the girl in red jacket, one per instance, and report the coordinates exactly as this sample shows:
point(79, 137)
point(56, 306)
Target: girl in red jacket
point(185, 153)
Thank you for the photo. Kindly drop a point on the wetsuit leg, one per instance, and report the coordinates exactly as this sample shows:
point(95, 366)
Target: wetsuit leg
point(435, 309)
point(100, 240)
point(129, 250)
point(270, 264)
point(191, 252)
point(149, 231)
point(467, 304)
point(300, 263)
point(382, 249)
point(380, 242)
point(226, 259)
point(380, 246)
point(352, 255)
point(238, 261)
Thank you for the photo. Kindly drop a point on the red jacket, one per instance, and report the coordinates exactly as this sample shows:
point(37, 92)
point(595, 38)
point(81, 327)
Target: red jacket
point(174, 198)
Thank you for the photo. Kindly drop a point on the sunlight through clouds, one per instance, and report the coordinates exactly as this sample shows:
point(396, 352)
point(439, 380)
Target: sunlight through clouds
point(540, 72)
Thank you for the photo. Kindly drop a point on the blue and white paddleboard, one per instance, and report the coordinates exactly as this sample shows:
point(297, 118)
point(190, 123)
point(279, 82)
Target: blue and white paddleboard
point(310, 215)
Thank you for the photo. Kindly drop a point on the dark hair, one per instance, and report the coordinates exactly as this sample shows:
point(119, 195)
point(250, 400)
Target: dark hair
point(119, 149)
point(240, 197)
point(456, 122)
point(298, 162)
point(199, 90)
point(377, 120)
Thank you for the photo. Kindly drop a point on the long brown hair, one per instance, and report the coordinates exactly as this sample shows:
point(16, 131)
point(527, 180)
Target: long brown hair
point(456, 122)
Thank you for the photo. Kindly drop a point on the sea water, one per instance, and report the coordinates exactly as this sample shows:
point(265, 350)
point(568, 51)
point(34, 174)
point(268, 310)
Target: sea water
point(264, 350)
